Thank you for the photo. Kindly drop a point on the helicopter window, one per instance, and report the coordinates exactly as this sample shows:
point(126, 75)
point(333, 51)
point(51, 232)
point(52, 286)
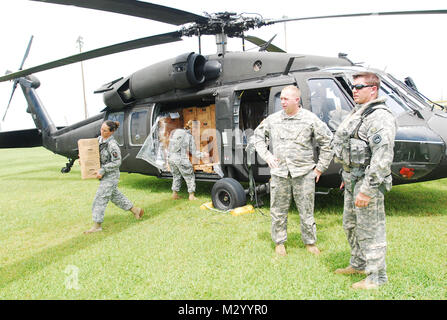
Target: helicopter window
point(328, 102)
point(118, 116)
point(414, 98)
point(257, 65)
point(138, 128)
point(253, 107)
point(278, 102)
point(277, 106)
point(396, 105)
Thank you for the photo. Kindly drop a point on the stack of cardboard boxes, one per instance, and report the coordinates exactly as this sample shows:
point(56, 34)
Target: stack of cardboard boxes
point(203, 130)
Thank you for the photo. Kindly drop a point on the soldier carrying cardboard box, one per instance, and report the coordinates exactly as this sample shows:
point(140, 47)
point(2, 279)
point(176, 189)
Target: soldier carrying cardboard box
point(109, 174)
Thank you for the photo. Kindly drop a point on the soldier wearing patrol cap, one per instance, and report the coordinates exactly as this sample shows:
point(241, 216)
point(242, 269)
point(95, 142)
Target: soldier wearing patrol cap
point(109, 174)
point(364, 144)
point(292, 166)
point(181, 144)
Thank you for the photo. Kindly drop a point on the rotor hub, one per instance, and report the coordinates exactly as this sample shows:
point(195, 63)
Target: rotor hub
point(229, 23)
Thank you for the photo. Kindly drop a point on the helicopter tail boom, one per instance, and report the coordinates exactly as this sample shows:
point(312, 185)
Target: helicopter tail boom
point(39, 114)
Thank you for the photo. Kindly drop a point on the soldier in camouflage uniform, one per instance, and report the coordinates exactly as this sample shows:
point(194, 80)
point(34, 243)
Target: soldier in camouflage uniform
point(109, 174)
point(181, 143)
point(292, 165)
point(364, 144)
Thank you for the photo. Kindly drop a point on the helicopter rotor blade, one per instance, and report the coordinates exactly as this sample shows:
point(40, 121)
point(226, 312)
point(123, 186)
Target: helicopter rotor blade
point(119, 47)
point(349, 15)
point(261, 43)
point(137, 9)
point(14, 86)
point(26, 52)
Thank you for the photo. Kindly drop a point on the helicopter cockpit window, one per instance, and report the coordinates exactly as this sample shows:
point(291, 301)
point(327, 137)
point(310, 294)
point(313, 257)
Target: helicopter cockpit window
point(396, 105)
point(118, 135)
point(328, 102)
point(138, 127)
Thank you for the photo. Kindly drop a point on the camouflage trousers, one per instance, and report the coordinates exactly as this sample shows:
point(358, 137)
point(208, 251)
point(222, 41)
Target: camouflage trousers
point(108, 191)
point(303, 190)
point(365, 231)
point(182, 168)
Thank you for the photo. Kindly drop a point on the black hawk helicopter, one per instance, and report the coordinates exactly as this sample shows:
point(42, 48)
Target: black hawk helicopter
point(227, 94)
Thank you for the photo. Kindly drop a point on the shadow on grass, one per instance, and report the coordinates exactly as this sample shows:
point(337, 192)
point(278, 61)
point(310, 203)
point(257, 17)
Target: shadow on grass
point(333, 260)
point(154, 184)
point(40, 260)
point(415, 200)
point(409, 200)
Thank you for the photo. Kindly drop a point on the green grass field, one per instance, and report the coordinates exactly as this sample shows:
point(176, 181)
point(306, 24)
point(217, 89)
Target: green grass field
point(178, 251)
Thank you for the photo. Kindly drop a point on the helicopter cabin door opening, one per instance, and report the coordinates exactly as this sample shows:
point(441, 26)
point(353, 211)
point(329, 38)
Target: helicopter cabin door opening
point(168, 116)
point(253, 107)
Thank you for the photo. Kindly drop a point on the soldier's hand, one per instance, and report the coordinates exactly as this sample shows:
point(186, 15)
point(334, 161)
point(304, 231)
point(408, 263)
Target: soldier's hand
point(98, 175)
point(273, 163)
point(317, 174)
point(342, 185)
point(362, 200)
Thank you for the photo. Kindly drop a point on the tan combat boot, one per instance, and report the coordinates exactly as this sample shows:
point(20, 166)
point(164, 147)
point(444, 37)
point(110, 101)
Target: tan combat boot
point(192, 197)
point(281, 250)
point(365, 284)
point(96, 227)
point(137, 212)
point(312, 249)
point(349, 270)
point(175, 196)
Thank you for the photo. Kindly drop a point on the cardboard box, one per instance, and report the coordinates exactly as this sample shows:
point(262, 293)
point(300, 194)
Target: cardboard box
point(165, 126)
point(189, 114)
point(208, 140)
point(89, 157)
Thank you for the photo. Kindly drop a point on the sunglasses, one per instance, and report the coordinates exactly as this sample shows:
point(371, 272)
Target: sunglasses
point(361, 86)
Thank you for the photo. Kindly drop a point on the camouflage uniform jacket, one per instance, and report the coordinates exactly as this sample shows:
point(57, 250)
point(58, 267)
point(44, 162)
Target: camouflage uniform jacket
point(181, 142)
point(368, 154)
point(110, 157)
point(291, 141)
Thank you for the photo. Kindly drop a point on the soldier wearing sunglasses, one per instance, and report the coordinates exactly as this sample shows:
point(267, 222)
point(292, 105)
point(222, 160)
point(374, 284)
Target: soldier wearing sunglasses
point(364, 144)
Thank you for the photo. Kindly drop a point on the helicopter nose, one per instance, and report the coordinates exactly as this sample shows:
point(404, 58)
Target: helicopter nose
point(419, 155)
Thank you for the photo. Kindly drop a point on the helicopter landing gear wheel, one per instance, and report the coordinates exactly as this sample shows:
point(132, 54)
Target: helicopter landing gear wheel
point(68, 166)
point(228, 193)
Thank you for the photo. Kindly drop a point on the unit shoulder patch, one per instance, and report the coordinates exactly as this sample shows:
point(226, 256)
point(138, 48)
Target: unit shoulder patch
point(377, 138)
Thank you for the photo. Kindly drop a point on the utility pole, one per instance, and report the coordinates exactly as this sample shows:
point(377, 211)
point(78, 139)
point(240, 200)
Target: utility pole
point(80, 42)
point(285, 33)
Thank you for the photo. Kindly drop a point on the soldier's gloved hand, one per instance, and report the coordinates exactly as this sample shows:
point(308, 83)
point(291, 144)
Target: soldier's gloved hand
point(273, 162)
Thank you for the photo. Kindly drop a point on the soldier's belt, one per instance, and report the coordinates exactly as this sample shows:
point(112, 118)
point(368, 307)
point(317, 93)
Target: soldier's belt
point(354, 166)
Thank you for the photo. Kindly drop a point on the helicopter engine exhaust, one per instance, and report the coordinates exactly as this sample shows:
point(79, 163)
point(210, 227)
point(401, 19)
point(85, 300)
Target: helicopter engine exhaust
point(185, 71)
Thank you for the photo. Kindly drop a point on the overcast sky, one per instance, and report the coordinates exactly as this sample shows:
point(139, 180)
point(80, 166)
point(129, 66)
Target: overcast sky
point(404, 46)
